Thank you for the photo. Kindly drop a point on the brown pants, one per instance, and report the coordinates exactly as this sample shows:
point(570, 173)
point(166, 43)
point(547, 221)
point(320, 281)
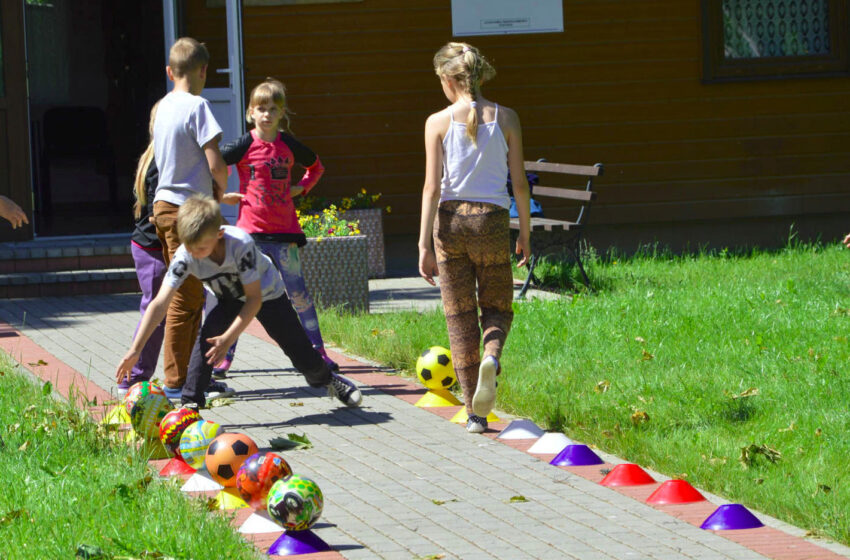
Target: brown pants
point(184, 313)
point(472, 244)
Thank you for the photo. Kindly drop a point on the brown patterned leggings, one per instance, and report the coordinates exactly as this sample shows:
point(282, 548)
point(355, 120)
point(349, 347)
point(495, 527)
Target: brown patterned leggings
point(472, 244)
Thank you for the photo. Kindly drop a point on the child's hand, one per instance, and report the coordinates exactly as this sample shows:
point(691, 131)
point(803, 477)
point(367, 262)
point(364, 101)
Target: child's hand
point(126, 366)
point(297, 190)
point(847, 241)
point(219, 345)
point(523, 247)
point(428, 266)
point(232, 198)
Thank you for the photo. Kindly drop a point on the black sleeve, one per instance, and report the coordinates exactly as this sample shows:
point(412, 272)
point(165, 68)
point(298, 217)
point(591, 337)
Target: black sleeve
point(151, 181)
point(234, 151)
point(304, 156)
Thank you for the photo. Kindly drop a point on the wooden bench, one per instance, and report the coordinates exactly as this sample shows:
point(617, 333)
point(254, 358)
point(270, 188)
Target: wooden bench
point(572, 230)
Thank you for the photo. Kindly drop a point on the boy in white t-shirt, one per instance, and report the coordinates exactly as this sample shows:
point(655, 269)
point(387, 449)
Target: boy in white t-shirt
point(247, 285)
point(186, 137)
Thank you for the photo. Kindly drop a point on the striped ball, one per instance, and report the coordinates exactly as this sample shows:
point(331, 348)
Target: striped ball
point(174, 423)
point(139, 390)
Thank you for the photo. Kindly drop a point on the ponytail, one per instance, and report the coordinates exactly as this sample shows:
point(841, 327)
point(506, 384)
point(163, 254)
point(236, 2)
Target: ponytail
point(466, 65)
point(139, 184)
point(142, 170)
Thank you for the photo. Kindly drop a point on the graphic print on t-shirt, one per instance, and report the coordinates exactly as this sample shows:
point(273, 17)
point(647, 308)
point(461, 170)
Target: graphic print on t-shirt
point(225, 285)
point(270, 181)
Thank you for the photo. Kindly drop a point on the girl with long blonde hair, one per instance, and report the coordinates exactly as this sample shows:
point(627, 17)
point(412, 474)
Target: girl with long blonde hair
point(469, 148)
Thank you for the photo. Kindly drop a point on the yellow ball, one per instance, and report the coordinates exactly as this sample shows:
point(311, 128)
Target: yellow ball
point(434, 368)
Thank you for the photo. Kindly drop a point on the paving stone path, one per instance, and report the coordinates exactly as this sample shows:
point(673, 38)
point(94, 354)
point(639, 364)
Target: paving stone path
point(399, 481)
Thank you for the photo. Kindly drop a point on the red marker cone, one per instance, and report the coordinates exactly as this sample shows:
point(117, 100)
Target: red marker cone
point(627, 474)
point(675, 492)
point(175, 467)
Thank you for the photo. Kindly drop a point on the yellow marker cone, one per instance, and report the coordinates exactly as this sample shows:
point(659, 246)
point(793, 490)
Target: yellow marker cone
point(117, 415)
point(229, 498)
point(461, 417)
point(437, 397)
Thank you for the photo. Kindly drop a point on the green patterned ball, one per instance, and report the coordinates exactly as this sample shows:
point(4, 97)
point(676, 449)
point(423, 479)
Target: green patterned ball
point(148, 412)
point(295, 502)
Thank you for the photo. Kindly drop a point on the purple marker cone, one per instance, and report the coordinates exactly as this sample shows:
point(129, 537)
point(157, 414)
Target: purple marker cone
point(297, 542)
point(731, 516)
point(576, 455)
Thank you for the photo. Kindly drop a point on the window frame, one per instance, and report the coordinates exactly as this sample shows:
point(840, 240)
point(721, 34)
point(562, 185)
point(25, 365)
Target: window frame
point(717, 68)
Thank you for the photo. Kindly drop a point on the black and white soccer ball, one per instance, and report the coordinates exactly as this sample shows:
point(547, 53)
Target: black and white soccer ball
point(434, 368)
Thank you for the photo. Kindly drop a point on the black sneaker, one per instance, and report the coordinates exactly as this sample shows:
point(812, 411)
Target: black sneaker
point(345, 390)
point(476, 424)
point(217, 389)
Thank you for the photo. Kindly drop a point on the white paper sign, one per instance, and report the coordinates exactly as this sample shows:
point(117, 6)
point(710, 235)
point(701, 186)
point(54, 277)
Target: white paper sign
point(499, 17)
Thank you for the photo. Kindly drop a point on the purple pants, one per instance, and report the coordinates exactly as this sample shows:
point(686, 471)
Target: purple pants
point(150, 270)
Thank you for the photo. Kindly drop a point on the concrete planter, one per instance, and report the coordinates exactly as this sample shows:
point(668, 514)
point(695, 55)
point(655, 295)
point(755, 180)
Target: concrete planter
point(372, 225)
point(336, 271)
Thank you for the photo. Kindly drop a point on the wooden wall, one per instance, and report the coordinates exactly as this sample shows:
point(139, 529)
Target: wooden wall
point(621, 85)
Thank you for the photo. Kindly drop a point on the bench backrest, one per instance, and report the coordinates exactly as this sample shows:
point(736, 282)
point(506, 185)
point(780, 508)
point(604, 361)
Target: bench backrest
point(584, 196)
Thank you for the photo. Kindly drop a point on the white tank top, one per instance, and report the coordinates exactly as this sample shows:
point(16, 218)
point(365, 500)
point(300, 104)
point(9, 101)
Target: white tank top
point(475, 173)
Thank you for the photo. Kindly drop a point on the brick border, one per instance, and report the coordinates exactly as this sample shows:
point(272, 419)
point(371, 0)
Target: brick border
point(768, 541)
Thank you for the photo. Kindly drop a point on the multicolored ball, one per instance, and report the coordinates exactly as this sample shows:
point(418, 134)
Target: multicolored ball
point(174, 423)
point(295, 502)
point(195, 440)
point(139, 390)
point(147, 413)
point(225, 456)
point(257, 475)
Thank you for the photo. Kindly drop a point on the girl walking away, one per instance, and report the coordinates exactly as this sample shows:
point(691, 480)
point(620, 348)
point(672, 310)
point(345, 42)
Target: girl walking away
point(469, 147)
point(264, 158)
point(147, 256)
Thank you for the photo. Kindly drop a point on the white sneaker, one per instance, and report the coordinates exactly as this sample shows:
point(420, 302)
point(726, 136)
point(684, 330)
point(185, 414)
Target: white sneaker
point(485, 392)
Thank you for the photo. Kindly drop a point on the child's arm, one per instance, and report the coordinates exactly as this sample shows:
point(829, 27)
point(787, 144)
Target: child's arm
point(154, 315)
point(220, 344)
point(520, 185)
point(306, 158)
point(430, 196)
point(218, 168)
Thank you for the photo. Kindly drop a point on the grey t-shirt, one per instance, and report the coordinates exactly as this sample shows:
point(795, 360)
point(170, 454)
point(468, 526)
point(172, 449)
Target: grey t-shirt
point(243, 263)
point(184, 123)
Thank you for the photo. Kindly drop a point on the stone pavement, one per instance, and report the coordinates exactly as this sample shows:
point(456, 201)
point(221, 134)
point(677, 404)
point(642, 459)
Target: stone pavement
point(401, 481)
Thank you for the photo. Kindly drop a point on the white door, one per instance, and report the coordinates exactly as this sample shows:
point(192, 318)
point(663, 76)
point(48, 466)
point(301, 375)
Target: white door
point(228, 96)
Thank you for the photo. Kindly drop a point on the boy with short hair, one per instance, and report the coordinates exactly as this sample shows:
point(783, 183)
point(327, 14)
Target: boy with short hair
point(246, 284)
point(186, 137)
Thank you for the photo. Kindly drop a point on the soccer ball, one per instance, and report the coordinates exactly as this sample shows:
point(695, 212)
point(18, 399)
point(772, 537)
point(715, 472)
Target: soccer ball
point(147, 413)
point(195, 440)
point(295, 502)
point(139, 390)
point(434, 368)
point(225, 456)
point(257, 475)
point(172, 425)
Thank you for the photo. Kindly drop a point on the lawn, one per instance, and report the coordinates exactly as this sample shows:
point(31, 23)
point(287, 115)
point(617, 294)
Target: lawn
point(67, 485)
point(728, 370)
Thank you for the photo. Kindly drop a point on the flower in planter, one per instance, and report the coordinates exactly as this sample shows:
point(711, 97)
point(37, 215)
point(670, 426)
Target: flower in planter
point(327, 224)
point(360, 201)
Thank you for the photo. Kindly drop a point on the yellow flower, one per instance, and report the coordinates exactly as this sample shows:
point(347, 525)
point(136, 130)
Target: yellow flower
point(363, 191)
point(389, 209)
point(319, 239)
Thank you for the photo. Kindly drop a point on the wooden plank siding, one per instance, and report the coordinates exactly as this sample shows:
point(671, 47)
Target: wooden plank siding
point(621, 85)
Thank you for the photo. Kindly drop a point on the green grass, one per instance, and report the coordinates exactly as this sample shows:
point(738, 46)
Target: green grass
point(65, 484)
point(656, 365)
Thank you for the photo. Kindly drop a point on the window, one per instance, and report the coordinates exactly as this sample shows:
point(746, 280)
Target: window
point(749, 39)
